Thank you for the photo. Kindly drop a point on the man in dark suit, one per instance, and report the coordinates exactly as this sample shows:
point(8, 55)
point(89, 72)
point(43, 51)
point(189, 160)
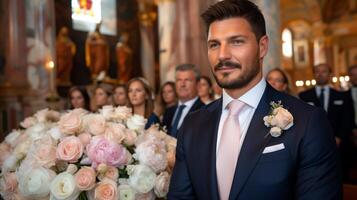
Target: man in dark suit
point(338, 105)
point(187, 77)
point(226, 150)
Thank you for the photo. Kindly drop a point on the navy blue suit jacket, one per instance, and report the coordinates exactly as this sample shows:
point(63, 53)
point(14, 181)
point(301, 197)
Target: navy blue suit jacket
point(307, 168)
point(170, 113)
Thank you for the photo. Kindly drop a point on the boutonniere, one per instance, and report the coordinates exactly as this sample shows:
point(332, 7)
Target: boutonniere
point(279, 119)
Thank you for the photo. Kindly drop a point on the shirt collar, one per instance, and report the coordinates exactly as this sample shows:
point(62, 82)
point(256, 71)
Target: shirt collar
point(251, 97)
point(188, 103)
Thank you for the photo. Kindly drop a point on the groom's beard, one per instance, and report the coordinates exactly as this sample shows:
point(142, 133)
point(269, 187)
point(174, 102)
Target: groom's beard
point(243, 79)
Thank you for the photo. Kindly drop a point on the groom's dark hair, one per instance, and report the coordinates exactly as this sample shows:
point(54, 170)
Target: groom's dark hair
point(236, 8)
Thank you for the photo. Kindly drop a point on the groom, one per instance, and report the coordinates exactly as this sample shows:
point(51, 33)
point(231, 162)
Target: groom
point(226, 150)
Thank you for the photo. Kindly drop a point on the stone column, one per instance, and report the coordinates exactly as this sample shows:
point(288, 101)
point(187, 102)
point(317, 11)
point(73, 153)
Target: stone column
point(166, 18)
point(147, 16)
point(271, 12)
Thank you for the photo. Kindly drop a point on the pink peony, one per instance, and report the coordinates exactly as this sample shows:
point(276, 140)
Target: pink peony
point(101, 150)
point(70, 123)
point(85, 178)
point(70, 149)
point(106, 190)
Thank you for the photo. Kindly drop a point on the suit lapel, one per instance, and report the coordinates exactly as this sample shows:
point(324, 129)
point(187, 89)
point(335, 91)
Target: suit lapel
point(208, 140)
point(253, 145)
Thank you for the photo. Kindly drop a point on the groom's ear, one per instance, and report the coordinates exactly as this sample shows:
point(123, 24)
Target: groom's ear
point(263, 46)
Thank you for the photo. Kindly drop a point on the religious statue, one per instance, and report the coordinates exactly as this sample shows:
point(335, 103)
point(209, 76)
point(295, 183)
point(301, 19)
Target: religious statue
point(97, 52)
point(124, 56)
point(65, 50)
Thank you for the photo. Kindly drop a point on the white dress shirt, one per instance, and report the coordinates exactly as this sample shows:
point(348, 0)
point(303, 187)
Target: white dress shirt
point(326, 94)
point(251, 98)
point(185, 111)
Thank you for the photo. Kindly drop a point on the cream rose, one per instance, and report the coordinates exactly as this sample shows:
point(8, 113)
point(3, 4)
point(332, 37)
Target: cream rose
point(70, 123)
point(28, 122)
point(136, 123)
point(85, 138)
point(63, 187)
point(55, 133)
point(95, 124)
point(115, 132)
point(36, 131)
point(107, 112)
point(275, 131)
point(141, 178)
point(162, 184)
point(35, 183)
point(122, 113)
point(85, 178)
point(110, 172)
point(130, 137)
point(282, 118)
point(43, 151)
point(106, 190)
point(70, 149)
point(12, 137)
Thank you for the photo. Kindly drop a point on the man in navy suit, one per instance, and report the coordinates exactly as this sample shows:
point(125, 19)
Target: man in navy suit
point(187, 77)
point(301, 163)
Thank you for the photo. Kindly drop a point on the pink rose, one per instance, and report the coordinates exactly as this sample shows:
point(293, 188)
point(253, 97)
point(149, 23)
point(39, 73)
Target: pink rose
point(282, 118)
point(8, 185)
point(85, 138)
point(70, 149)
point(115, 132)
point(85, 178)
point(101, 150)
point(130, 137)
point(111, 173)
point(70, 123)
point(95, 124)
point(106, 190)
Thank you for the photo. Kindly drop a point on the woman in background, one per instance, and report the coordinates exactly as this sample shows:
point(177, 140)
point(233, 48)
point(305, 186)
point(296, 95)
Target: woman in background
point(79, 98)
point(205, 91)
point(102, 96)
point(141, 100)
point(120, 97)
point(278, 79)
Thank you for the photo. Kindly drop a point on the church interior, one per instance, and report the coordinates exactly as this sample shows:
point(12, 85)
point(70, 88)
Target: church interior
point(49, 46)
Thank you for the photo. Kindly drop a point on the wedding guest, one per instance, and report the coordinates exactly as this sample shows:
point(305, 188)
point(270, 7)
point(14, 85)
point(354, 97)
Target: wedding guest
point(205, 91)
point(102, 96)
point(187, 78)
point(167, 97)
point(279, 80)
point(120, 97)
point(141, 100)
point(79, 98)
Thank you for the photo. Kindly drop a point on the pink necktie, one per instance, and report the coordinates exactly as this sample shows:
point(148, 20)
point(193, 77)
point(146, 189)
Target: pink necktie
point(228, 149)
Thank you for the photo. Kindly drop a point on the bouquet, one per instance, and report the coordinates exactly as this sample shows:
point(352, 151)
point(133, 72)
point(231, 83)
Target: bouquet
point(82, 155)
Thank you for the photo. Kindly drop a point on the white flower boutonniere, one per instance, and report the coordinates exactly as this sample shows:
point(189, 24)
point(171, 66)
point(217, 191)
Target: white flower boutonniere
point(279, 119)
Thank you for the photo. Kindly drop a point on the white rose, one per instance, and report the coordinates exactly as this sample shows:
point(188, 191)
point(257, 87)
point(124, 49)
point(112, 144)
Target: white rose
point(35, 183)
point(141, 178)
point(11, 138)
point(107, 112)
point(126, 192)
point(55, 133)
point(10, 163)
point(162, 184)
point(36, 131)
point(63, 187)
point(275, 131)
point(136, 123)
point(41, 115)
